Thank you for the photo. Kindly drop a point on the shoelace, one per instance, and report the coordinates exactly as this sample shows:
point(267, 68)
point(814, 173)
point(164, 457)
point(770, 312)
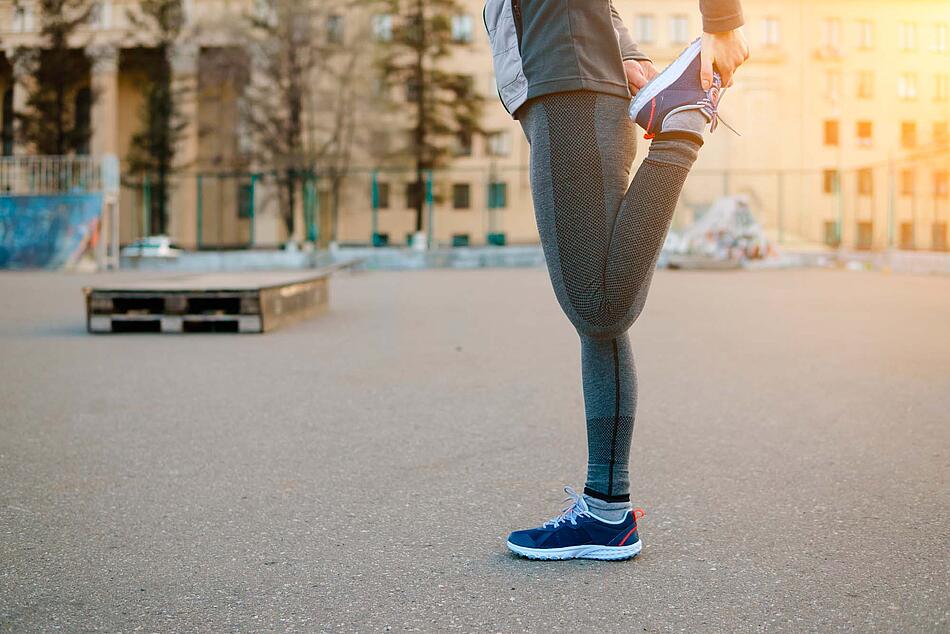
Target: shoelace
point(576, 507)
point(710, 105)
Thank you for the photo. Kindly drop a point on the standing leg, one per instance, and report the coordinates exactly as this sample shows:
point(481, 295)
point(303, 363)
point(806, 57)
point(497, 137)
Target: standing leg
point(610, 405)
point(601, 240)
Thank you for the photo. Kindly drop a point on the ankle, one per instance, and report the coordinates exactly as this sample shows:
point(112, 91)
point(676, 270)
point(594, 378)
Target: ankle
point(609, 511)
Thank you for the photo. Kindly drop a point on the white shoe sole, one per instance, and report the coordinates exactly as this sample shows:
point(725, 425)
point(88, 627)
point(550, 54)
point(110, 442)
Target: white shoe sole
point(579, 552)
point(666, 77)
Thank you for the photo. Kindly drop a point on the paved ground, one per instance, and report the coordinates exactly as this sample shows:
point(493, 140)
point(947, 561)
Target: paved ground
point(359, 472)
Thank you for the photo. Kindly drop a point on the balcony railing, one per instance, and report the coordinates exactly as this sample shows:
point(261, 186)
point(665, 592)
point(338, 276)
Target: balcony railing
point(57, 174)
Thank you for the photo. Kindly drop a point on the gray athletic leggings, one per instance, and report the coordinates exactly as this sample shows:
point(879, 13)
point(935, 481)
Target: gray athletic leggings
point(601, 241)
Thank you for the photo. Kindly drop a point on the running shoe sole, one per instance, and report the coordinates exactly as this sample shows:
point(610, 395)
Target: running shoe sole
point(607, 553)
point(666, 77)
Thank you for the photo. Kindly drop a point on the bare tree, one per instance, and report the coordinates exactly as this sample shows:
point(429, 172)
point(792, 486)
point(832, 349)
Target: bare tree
point(302, 97)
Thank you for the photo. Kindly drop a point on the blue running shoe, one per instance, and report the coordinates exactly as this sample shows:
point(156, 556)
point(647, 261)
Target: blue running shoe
point(675, 89)
point(579, 534)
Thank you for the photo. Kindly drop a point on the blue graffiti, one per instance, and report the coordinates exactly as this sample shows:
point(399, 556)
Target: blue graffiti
point(45, 231)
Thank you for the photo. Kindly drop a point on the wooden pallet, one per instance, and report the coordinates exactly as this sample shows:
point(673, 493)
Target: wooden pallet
point(226, 302)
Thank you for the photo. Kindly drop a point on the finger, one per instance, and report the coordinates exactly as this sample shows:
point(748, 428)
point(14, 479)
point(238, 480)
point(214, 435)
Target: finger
point(725, 74)
point(650, 70)
point(635, 76)
point(706, 68)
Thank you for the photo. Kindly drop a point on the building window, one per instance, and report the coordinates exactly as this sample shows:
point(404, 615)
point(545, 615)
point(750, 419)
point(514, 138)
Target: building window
point(679, 29)
point(907, 86)
point(383, 27)
point(942, 87)
point(499, 143)
point(831, 132)
point(865, 34)
point(645, 30)
point(8, 121)
point(497, 195)
point(941, 133)
point(382, 196)
point(939, 236)
point(413, 195)
point(82, 113)
point(833, 89)
point(908, 134)
point(866, 84)
point(23, 17)
point(831, 233)
point(940, 38)
point(865, 133)
point(770, 31)
point(412, 90)
point(461, 196)
point(245, 207)
point(908, 182)
point(865, 235)
point(907, 36)
point(831, 33)
point(335, 29)
point(907, 236)
point(464, 87)
point(941, 184)
point(463, 143)
point(462, 29)
point(865, 181)
point(829, 181)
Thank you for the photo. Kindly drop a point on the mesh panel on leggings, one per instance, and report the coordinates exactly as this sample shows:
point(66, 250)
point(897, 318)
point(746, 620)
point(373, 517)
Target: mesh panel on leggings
point(578, 184)
point(608, 454)
point(606, 270)
point(640, 230)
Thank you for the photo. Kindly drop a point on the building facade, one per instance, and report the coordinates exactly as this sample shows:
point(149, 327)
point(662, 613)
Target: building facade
point(843, 112)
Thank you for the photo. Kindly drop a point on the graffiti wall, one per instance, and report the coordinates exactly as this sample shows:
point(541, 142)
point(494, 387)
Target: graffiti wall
point(46, 231)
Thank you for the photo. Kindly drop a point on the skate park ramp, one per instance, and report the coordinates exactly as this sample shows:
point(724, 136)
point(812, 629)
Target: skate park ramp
point(46, 231)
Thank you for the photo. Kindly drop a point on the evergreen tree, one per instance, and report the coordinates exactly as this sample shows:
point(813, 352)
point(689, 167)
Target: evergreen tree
point(446, 107)
point(57, 83)
point(152, 150)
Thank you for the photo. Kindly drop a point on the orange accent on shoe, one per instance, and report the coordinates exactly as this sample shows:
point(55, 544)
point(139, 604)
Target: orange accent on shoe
point(627, 536)
point(649, 135)
point(637, 514)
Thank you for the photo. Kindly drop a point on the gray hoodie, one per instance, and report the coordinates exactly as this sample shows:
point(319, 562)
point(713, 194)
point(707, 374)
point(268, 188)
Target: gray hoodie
point(541, 47)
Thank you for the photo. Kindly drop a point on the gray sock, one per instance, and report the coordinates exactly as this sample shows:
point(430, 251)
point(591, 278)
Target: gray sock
point(690, 120)
point(610, 511)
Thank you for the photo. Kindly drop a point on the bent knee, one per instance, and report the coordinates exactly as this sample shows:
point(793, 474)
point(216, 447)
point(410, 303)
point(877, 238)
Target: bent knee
point(603, 330)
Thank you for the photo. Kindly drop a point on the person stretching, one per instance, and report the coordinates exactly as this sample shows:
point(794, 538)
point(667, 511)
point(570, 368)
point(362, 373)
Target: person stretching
point(566, 72)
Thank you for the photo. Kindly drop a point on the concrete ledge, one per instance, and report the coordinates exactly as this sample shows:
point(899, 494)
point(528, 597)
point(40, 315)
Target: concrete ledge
point(394, 258)
point(380, 258)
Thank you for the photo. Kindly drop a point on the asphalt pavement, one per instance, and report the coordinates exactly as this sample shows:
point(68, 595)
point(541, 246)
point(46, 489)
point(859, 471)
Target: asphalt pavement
point(359, 472)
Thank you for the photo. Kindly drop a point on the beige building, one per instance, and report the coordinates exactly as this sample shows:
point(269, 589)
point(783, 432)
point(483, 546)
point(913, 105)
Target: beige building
point(843, 111)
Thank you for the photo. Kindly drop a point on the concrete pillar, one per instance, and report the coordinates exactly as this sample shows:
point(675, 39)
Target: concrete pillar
point(105, 107)
point(182, 221)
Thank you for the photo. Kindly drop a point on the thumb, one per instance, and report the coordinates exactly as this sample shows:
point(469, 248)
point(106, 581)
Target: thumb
point(706, 68)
